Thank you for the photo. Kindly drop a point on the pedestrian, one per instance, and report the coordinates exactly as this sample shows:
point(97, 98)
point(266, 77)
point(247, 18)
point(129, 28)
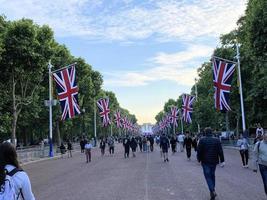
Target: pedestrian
point(243, 145)
point(140, 143)
point(260, 159)
point(133, 145)
point(69, 148)
point(164, 145)
point(180, 138)
point(144, 141)
point(111, 145)
point(88, 146)
point(173, 142)
point(151, 141)
point(188, 145)
point(14, 182)
point(82, 144)
point(62, 149)
point(209, 154)
point(102, 146)
point(259, 131)
point(194, 143)
point(126, 144)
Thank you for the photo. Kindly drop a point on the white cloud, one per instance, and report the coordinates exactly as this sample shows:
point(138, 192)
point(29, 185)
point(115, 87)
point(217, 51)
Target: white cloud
point(179, 67)
point(127, 20)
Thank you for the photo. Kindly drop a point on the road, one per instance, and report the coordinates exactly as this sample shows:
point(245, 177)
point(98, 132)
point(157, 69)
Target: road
point(145, 177)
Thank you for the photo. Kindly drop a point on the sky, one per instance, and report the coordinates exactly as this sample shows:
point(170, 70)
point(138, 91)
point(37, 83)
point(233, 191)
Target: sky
point(148, 51)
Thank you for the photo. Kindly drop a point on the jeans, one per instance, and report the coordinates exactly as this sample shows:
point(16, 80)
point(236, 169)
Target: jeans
point(209, 173)
point(188, 152)
point(244, 156)
point(263, 170)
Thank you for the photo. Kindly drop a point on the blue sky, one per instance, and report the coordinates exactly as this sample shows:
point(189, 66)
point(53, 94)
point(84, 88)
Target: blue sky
point(147, 50)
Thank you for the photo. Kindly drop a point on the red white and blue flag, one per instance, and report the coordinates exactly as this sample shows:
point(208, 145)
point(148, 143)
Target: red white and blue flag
point(118, 119)
point(67, 91)
point(103, 107)
point(187, 107)
point(174, 115)
point(222, 77)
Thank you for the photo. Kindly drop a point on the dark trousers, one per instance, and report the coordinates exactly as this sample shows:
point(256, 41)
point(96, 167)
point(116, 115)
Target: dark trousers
point(126, 153)
point(111, 150)
point(102, 151)
point(244, 156)
point(173, 148)
point(209, 173)
point(188, 152)
point(151, 147)
point(140, 146)
point(88, 155)
point(263, 170)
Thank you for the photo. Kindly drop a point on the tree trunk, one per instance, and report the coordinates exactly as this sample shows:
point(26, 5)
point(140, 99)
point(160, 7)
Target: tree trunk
point(15, 114)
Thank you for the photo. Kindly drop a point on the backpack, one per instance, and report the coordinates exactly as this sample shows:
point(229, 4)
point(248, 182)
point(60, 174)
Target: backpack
point(8, 188)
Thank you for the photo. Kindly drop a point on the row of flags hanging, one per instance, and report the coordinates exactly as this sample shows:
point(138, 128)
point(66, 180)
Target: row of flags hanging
point(67, 90)
point(171, 118)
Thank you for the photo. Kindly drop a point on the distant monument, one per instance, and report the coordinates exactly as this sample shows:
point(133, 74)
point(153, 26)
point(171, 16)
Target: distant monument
point(146, 129)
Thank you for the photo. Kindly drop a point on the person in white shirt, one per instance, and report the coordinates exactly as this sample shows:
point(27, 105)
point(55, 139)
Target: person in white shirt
point(259, 131)
point(9, 165)
point(181, 141)
point(88, 146)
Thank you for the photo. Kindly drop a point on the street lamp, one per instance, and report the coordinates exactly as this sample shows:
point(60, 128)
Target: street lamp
point(83, 113)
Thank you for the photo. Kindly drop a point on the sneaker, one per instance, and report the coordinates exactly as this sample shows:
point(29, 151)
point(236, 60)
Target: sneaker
point(213, 195)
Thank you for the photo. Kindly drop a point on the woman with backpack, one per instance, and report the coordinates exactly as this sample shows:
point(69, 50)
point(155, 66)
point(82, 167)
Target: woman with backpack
point(243, 145)
point(260, 159)
point(14, 182)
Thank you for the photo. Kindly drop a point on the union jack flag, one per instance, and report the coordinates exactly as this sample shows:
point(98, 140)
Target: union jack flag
point(67, 91)
point(174, 116)
point(187, 107)
point(118, 119)
point(222, 77)
point(124, 122)
point(103, 106)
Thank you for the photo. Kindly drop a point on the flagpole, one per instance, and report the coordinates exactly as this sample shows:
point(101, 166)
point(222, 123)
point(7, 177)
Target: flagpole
point(50, 111)
point(181, 118)
point(95, 119)
point(198, 126)
point(240, 88)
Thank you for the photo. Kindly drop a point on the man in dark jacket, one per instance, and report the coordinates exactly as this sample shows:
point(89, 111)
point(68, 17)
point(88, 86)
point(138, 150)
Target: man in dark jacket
point(164, 145)
point(210, 153)
point(188, 145)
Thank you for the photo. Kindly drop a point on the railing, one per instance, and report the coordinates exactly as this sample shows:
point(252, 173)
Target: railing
point(35, 153)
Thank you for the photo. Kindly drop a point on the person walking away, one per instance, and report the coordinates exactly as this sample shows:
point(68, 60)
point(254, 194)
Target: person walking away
point(188, 144)
point(140, 143)
point(151, 141)
point(260, 159)
point(62, 149)
point(14, 182)
point(126, 144)
point(259, 133)
point(164, 145)
point(243, 145)
point(173, 144)
point(69, 148)
point(144, 144)
point(102, 146)
point(82, 144)
point(133, 145)
point(194, 143)
point(88, 147)
point(209, 154)
point(181, 141)
point(111, 145)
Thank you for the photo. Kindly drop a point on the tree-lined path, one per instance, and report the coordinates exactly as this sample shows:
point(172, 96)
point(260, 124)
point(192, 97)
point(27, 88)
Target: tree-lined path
point(145, 177)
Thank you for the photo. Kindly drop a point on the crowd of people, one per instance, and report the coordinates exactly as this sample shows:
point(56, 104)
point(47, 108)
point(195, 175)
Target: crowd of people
point(208, 150)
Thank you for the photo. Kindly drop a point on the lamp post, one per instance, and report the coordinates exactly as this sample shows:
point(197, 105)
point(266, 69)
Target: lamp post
point(51, 154)
point(83, 127)
point(196, 93)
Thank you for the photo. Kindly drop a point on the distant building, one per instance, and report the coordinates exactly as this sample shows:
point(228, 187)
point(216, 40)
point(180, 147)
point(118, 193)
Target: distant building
point(146, 129)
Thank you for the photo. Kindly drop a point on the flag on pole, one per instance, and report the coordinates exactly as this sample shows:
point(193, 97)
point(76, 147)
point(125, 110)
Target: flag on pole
point(187, 107)
point(222, 77)
point(103, 107)
point(118, 119)
point(67, 91)
point(174, 116)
